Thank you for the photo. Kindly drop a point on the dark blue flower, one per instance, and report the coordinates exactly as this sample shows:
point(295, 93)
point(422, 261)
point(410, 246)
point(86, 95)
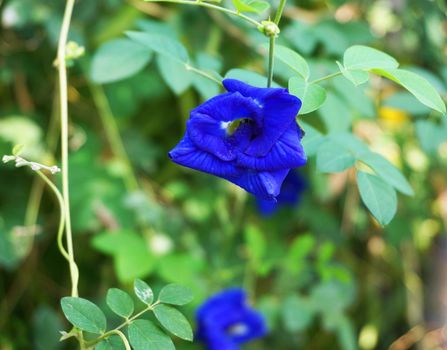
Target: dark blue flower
point(248, 136)
point(226, 321)
point(291, 191)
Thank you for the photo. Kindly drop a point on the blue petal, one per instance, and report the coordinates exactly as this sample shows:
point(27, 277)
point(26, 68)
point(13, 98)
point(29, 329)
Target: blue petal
point(291, 191)
point(287, 152)
point(294, 185)
point(267, 207)
point(256, 327)
point(279, 109)
point(207, 133)
point(227, 299)
point(256, 93)
point(279, 113)
point(264, 185)
point(228, 107)
point(186, 153)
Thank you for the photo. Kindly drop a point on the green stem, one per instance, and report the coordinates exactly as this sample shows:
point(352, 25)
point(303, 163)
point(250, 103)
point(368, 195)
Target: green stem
point(123, 338)
point(279, 11)
point(330, 76)
point(271, 60)
point(215, 7)
point(60, 199)
point(113, 135)
point(63, 105)
point(122, 325)
point(202, 73)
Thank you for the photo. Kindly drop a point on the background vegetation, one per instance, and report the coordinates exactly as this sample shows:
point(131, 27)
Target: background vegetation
point(323, 271)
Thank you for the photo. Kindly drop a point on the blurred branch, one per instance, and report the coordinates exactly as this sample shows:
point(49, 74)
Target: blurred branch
point(215, 7)
point(150, 8)
point(232, 30)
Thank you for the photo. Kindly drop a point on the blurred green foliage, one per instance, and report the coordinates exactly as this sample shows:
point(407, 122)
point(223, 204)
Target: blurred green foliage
point(324, 272)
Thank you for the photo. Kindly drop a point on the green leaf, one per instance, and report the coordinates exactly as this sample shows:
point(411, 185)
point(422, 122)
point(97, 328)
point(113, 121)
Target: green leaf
point(255, 241)
point(357, 77)
point(336, 113)
point(297, 313)
point(417, 85)
point(120, 302)
point(113, 342)
point(174, 321)
point(256, 6)
point(299, 250)
point(346, 333)
point(83, 314)
point(311, 95)
point(366, 58)
point(118, 59)
point(17, 149)
point(312, 139)
point(431, 135)
point(378, 196)
point(46, 324)
point(332, 297)
point(333, 157)
point(143, 292)
point(144, 335)
point(163, 45)
point(175, 294)
point(132, 259)
point(387, 171)
point(355, 97)
point(174, 74)
point(293, 60)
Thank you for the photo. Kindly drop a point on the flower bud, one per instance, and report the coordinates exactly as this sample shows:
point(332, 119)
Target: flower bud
point(269, 29)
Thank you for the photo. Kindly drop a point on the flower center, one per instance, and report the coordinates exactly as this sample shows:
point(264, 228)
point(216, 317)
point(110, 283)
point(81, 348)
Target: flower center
point(231, 126)
point(237, 329)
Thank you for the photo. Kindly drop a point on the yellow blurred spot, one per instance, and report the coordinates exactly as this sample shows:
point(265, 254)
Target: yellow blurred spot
point(416, 159)
point(376, 246)
point(368, 337)
point(425, 232)
point(393, 117)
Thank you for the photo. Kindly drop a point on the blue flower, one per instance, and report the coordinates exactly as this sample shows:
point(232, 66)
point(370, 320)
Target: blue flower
point(248, 136)
point(226, 320)
point(291, 191)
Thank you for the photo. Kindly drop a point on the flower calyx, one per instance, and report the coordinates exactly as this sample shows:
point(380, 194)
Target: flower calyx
point(269, 29)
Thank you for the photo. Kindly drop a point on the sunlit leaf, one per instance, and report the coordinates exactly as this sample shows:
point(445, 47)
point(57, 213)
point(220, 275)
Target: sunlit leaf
point(417, 85)
point(311, 95)
point(378, 196)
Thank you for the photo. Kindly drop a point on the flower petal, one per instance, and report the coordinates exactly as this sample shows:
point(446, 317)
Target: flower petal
point(279, 109)
point(287, 152)
point(186, 153)
point(228, 107)
point(279, 113)
point(208, 135)
point(264, 185)
point(255, 327)
point(256, 93)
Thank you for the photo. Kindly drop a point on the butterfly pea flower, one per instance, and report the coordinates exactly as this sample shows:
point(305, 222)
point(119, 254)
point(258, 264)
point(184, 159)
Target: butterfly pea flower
point(291, 191)
point(225, 321)
point(248, 136)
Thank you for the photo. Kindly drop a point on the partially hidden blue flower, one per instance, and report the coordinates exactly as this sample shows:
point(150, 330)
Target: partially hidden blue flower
point(248, 136)
point(226, 320)
point(291, 191)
